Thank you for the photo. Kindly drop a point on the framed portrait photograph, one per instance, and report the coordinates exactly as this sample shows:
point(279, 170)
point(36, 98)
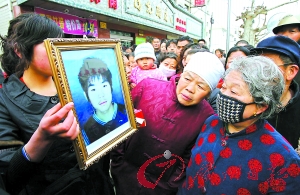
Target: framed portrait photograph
point(91, 73)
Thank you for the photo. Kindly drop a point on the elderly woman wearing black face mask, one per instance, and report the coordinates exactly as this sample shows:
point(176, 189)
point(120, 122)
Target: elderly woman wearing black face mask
point(238, 151)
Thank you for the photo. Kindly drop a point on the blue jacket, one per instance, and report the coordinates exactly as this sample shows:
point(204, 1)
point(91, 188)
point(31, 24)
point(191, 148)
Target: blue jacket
point(256, 160)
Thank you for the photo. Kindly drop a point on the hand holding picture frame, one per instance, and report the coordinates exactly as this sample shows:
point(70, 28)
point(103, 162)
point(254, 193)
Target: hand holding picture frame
point(91, 73)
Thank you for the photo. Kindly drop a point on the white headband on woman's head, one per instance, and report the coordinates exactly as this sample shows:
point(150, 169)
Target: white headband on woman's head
point(208, 66)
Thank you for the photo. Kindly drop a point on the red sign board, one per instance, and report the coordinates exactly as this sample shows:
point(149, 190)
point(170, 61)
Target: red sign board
point(199, 3)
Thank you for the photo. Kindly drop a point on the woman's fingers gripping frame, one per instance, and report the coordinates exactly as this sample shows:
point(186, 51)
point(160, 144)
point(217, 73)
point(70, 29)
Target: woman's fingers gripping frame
point(53, 125)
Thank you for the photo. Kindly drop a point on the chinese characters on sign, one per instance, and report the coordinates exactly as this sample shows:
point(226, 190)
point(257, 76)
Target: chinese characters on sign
point(71, 24)
point(199, 3)
point(180, 25)
point(113, 4)
point(96, 1)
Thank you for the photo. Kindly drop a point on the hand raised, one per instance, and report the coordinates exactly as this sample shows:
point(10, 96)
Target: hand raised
point(59, 122)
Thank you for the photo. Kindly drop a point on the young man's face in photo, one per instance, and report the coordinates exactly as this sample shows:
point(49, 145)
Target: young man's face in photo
point(99, 93)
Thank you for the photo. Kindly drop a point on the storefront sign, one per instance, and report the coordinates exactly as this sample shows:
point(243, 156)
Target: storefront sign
point(180, 25)
point(154, 10)
point(103, 25)
point(96, 1)
point(141, 33)
point(113, 4)
point(71, 24)
point(199, 3)
point(139, 40)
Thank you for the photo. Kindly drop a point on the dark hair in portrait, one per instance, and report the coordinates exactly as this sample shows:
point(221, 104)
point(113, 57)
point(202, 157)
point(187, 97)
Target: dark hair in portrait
point(89, 72)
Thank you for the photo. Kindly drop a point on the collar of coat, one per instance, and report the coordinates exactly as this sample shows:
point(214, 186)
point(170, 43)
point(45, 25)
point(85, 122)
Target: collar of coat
point(20, 95)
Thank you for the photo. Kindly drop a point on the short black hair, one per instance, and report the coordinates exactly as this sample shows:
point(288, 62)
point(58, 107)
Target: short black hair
point(243, 49)
point(202, 40)
point(171, 41)
point(185, 38)
point(166, 55)
point(241, 41)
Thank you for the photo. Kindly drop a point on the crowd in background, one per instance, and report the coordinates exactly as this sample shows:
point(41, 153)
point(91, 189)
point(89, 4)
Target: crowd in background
point(217, 122)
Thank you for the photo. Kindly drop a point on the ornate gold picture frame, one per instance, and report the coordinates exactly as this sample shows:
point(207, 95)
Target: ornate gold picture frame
point(91, 73)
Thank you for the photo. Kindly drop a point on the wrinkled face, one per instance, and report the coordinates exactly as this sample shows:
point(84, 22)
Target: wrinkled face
point(234, 86)
point(276, 59)
point(233, 56)
point(291, 32)
point(40, 62)
point(191, 89)
point(180, 46)
point(169, 63)
point(145, 63)
point(100, 94)
point(156, 44)
point(172, 47)
point(163, 48)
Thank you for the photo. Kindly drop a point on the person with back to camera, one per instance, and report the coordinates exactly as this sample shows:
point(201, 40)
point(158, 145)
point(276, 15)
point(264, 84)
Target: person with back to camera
point(145, 57)
point(238, 151)
point(30, 113)
point(174, 112)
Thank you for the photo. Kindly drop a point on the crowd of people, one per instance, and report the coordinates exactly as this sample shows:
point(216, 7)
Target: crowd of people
point(217, 123)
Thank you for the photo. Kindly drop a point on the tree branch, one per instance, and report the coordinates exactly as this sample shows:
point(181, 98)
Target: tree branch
point(282, 5)
point(252, 4)
point(262, 28)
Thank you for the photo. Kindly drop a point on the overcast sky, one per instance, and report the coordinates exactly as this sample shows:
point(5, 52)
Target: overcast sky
point(219, 8)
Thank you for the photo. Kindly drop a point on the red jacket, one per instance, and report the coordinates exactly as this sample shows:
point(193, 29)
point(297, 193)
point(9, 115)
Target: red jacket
point(170, 126)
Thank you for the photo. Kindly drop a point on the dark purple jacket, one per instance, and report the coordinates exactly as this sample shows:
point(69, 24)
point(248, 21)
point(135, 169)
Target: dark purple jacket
point(170, 126)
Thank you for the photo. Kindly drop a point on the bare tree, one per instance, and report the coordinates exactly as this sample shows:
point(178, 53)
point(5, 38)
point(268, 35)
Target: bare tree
point(252, 33)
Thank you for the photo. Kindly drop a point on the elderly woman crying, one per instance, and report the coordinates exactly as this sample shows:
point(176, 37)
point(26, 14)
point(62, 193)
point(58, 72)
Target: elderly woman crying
point(238, 151)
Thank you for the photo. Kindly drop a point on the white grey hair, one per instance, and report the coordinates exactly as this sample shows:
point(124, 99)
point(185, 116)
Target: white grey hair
point(264, 79)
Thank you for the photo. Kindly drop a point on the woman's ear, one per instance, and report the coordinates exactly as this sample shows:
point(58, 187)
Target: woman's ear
point(261, 108)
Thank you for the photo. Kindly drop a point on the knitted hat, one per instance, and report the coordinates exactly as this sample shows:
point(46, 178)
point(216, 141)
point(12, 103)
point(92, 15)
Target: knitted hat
point(144, 50)
point(208, 66)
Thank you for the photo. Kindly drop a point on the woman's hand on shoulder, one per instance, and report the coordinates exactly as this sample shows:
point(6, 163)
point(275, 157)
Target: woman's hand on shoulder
point(59, 122)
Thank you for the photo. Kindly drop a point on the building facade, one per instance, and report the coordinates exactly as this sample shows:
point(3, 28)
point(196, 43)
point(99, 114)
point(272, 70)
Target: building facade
point(131, 21)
